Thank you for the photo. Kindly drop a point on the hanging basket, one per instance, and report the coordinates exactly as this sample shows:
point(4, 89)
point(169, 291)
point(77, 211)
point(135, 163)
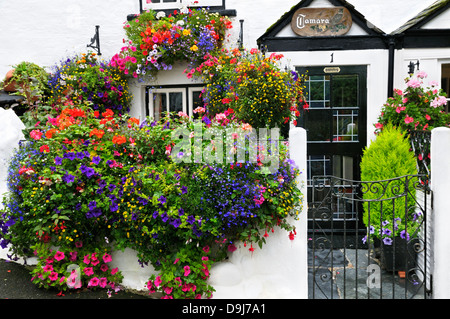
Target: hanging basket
point(9, 86)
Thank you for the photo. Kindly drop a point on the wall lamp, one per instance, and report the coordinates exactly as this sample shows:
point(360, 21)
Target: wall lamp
point(411, 67)
point(95, 40)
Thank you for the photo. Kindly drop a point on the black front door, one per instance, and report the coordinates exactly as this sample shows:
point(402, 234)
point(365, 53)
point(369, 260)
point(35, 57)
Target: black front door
point(335, 123)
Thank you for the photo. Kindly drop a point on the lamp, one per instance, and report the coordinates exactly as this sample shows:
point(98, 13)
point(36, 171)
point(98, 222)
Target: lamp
point(95, 39)
point(411, 67)
point(241, 36)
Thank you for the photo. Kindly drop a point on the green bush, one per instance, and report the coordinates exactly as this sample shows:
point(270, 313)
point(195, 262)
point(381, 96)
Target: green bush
point(387, 158)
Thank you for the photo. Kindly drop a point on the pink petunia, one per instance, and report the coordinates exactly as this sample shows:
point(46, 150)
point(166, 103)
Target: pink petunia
point(158, 281)
point(187, 270)
point(93, 282)
point(48, 268)
point(104, 267)
point(88, 271)
point(53, 276)
point(59, 255)
point(114, 271)
point(103, 282)
point(408, 119)
point(87, 259)
point(107, 258)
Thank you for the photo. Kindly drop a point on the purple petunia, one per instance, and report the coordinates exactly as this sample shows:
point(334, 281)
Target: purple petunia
point(58, 160)
point(96, 160)
point(68, 178)
point(88, 171)
point(162, 199)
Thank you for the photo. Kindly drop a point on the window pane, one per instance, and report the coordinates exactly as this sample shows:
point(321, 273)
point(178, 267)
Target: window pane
point(318, 91)
point(159, 105)
point(176, 102)
point(197, 101)
point(345, 91)
point(345, 125)
point(317, 124)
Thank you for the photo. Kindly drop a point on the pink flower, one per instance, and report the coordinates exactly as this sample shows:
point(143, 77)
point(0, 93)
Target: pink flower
point(114, 271)
point(438, 101)
point(428, 117)
point(53, 276)
point(168, 290)
point(413, 84)
point(422, 75)
point(231, 248)
point(107, 258)
point(187, 270)
point(88, 271)
point(379, 125)
point(178, 279)
point(36, 134)
point(48, 268)
point(104, 267)
point(434, 83)
point(94, 261)
point(408, 119)
point(206, 249)
point(103, 282)
point(158, 281)
point(87, 259)
point(73, 256)
point(399, 109)
point(59, 255)
point(176, 260)
point(93, 282)
point(78, 244)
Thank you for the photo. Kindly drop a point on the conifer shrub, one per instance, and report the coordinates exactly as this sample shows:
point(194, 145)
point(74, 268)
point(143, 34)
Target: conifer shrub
point(387, 211)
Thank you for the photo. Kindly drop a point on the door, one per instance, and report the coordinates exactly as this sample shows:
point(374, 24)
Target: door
point(336, 125)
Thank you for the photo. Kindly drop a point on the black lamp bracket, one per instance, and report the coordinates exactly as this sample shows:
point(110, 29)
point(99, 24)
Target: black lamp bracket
point(95, 41)
point(412, 65)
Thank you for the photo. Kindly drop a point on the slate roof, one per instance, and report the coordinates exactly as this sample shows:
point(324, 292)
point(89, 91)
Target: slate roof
point(424, 16)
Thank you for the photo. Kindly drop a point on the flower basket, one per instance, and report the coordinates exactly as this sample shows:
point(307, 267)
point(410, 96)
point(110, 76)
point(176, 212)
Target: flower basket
point(8, 85)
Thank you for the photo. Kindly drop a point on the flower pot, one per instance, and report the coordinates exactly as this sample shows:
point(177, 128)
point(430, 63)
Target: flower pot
point(8, 85)
point(400, 256)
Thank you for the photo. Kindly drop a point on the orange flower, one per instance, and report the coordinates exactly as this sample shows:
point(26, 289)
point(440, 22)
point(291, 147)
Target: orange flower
point(119, 139)
point(50, 133)
point(108, 113)
point(98, 133)
point(133, 120)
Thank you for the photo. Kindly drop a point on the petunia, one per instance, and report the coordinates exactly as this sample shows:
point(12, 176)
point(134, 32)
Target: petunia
point(114, 271)
point(96, 160)
point(107, 258)
point(94, 282)
point(53, 276)
point(59, 255)
point(68, 178)
point(187, 270)
point(88, 271)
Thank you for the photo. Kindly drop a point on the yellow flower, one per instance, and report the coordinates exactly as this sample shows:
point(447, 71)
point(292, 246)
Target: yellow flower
point(186, 32)
point(194, 48)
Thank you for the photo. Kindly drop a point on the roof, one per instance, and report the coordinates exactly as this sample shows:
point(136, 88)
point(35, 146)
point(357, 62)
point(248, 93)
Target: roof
point(424, 16)
point(357, 17)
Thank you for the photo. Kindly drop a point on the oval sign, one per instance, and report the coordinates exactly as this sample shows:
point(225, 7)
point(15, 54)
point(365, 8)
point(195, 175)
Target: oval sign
point(321, 21)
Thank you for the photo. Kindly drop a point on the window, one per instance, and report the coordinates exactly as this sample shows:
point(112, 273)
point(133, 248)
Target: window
point(165, 100)
point(173, 99)
point(176, 4)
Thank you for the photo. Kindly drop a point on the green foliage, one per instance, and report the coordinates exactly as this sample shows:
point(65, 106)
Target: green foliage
point(388, 157)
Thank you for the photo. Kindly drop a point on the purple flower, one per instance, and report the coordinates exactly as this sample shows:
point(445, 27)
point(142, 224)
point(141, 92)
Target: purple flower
point(88, 171)
point(404, 234)
point(96, 160)
point(113, 207)
point(387, 241)
point(58, 160)
point(80, 155)
point(92, 205)
point(162, 200)
point(183, 189)
point(191, 219)
point(70, 155)
point(68, 178)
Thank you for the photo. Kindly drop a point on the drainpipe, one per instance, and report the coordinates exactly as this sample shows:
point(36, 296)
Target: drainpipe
point(391, 47)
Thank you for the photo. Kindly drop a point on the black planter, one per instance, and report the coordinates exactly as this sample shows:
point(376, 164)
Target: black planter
point(400, 255)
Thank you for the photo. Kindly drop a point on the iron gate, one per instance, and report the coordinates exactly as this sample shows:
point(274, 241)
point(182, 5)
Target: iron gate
point(387, 258)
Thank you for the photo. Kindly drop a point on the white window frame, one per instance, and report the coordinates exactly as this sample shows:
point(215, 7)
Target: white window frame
point(166, 91)
point(180, 3)
point(191, 91)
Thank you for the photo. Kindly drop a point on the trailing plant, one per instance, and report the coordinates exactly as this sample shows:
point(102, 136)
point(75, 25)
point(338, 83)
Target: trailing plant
point(84, 77)
point(254, 86)
point(155, 42)
point(389, 202)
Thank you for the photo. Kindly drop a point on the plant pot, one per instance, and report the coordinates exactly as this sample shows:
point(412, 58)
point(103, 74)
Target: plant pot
point(400, 256)
point(9, 86)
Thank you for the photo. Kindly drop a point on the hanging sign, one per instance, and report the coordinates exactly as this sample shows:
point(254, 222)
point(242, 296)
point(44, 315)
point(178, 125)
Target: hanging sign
point(321, 21)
